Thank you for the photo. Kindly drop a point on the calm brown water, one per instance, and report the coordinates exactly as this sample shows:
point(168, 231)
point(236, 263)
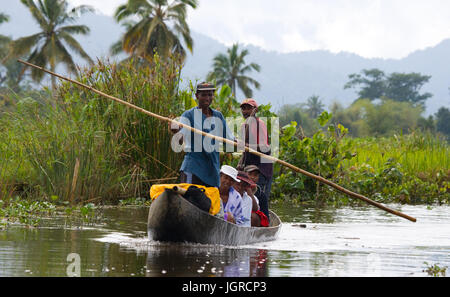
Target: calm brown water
point(342, 242)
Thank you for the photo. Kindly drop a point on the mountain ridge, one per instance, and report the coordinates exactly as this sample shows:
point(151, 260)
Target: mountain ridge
point(286, 78)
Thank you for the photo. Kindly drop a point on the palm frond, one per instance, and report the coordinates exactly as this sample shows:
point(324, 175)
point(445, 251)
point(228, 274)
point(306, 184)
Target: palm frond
point(36, 13)
point(80, 10)
point(133, 37)
point(183, 29)
point(22, 46)
point(38, 58)
point(75, 29)
point(3, 17)
point(242, 83)
point(122, 12)
point(250, 67)
point(65, 57)
point(75, 46)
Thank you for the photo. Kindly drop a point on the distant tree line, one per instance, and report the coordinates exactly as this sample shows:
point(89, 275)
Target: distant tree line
point(386, 104)
point(401, 87)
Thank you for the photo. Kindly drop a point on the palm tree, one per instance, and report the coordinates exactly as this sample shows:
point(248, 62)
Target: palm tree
point(49, 47)
point(4, 41)
point(3, 17)
point(117, 47)
point(152, 32)
point(231, 69)
point(314, 106)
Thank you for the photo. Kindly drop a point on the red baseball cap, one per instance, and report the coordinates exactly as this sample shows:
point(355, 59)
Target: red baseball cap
point(243, 176)
point(249, 101)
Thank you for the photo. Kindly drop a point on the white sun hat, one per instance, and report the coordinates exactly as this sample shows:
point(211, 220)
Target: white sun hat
point(230, 171)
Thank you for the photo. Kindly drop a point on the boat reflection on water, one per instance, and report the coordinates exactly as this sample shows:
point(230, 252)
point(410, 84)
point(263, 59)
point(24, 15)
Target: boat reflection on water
point(185, 260)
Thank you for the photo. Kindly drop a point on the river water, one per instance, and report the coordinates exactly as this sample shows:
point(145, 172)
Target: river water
point(312, 242)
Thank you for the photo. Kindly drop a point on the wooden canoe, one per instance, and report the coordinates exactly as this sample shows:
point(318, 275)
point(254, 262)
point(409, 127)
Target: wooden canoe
point(172, 218)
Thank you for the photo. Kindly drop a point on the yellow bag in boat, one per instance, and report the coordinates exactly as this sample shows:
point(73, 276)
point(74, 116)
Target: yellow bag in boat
point(211, 192)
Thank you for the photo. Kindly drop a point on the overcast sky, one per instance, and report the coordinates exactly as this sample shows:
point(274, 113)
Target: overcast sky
point(369, 28)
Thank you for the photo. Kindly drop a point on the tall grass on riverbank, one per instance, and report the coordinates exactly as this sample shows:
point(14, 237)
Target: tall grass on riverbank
point(74, 145)
point(417, 152)
point(412, 168)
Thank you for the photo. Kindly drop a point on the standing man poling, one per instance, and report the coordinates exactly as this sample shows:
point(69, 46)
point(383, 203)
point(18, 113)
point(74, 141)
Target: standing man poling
point(201, 164)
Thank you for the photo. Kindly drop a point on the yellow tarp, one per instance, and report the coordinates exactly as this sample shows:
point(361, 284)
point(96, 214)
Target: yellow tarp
point(211, 192)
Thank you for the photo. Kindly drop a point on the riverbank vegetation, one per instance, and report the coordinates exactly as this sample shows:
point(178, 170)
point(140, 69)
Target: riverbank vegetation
point(72, 146)
point(411, 168)
point(68, 146)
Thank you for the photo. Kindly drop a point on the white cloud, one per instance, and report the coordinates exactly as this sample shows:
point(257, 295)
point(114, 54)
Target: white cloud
point(370, 28)
point(294, 41)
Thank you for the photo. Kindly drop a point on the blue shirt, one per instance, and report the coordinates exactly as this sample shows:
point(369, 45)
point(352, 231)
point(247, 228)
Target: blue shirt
point(202, 153)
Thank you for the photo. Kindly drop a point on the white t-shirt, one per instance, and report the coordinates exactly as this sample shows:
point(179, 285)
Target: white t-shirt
point(247, 205)
point(246, 209)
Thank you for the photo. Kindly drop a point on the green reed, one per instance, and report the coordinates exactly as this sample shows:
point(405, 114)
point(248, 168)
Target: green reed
point(416, 152)
point(77, 146)
point(413, 168)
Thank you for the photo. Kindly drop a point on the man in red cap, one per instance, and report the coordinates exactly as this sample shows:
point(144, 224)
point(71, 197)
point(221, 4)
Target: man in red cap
point(255, 135)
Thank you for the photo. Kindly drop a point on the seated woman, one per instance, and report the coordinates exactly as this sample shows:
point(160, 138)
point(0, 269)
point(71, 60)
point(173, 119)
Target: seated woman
point(230, 197)
point(249, 202)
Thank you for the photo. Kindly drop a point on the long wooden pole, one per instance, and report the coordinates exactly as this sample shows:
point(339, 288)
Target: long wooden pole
point(273, 159)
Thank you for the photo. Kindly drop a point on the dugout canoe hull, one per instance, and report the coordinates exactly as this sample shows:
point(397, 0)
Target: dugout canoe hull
point(172, 218)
